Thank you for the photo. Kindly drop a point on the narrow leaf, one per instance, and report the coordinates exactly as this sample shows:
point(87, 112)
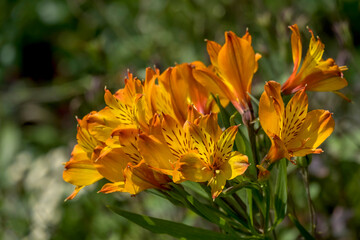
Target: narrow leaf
point(223, 114)
point(254, 99)
point(178, 230)
point(301, 229)
point(280, 199)
point(250, 206)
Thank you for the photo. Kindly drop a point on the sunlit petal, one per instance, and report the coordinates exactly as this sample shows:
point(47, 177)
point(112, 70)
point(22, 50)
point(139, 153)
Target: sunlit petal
point(271, 108)
point(193, 168)
point(238, 164)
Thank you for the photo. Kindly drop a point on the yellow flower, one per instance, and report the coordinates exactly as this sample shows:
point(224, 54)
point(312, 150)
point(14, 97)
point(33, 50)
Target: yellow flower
point(234, 65)
point(100, 153)
point(185, 90)
point(80, 170)
point(125, 167)
point(315, 73)
point(211, 158)
point(166, 143)
point(293, 131)
point(198, 151)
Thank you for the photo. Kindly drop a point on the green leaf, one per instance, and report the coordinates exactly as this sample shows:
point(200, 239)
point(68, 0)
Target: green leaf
point(178, 230)
point(195, 187)
point(242, 141)
point(267, 205)
point(204, 210)
point(223, 114)
point(254, 99)
point(250, 206)
point(301, 229)
point(240, 185)
point(280, 199)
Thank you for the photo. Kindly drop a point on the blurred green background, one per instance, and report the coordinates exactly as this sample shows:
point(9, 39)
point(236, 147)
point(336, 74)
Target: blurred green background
point(56, 56)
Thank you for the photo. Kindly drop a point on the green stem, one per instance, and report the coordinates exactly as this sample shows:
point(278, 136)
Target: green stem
point(305, 175)
point(252, 138)
point(273, 229)
point(234, 209)
point(239, 201)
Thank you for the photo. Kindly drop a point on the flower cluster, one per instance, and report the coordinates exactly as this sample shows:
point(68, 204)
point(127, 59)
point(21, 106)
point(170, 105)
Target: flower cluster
point(165, 128)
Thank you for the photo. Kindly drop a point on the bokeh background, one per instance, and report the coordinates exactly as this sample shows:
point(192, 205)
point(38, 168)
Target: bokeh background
point(56, 56)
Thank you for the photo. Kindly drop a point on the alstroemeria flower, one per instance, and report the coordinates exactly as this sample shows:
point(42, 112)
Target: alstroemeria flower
point(185, 90)
point(133, 106)
point(125, 167)
point(234, 65)
point(163, 147)
point(293, 131)
point(212, 159)
point(129, 109)
point(80, 170)
point(315, 73)
point(198, 152)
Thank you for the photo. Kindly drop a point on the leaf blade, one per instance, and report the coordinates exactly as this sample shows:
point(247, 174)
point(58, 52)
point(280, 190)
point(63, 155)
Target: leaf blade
point(301, 229)
point(280, 199)
point(178, 230)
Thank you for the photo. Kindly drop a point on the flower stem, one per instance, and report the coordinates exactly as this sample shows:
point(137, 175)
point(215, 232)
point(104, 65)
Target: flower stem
point(273, 229)
point(252, 137)
point(305, 175)
point(232, 206)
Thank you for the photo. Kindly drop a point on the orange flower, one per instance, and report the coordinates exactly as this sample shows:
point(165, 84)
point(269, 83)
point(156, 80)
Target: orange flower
point(315, 73)
point(165, 144)
point(198, 152)
point(234, 65)
point(185, 90)
point(125, 167)
point(80, 170)
point(212, 159)
point(100, 153)
point(293, 131)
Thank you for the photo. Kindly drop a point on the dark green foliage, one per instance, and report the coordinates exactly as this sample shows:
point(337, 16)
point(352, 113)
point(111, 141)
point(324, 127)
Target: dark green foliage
point(56, 57)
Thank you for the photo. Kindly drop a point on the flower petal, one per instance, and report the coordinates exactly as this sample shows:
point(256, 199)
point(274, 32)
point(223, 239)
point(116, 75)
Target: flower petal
point(140, 177)
point(121, 111)
point(294, 116)
point(258, 56)
point(127, 140)
point(175, 136)
point(225, 144)
point(142, 112)
point(210, 124)
point(133, 86)
point(236, 62)
point(156, 154)
point(326, 76)
point(193, 168)
point(113, 187)
point(217, 184)
point(296, 46)
point(80, 171)
point(315, 73)
point(238, 163)
point(111, 165)
point(214, 84)
point(176, 78)
point(213, 49)
point(318, 126)
point(271, 108)
point(85, 140)
point(101, 124)
point(277, 150)
point(202, 142)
